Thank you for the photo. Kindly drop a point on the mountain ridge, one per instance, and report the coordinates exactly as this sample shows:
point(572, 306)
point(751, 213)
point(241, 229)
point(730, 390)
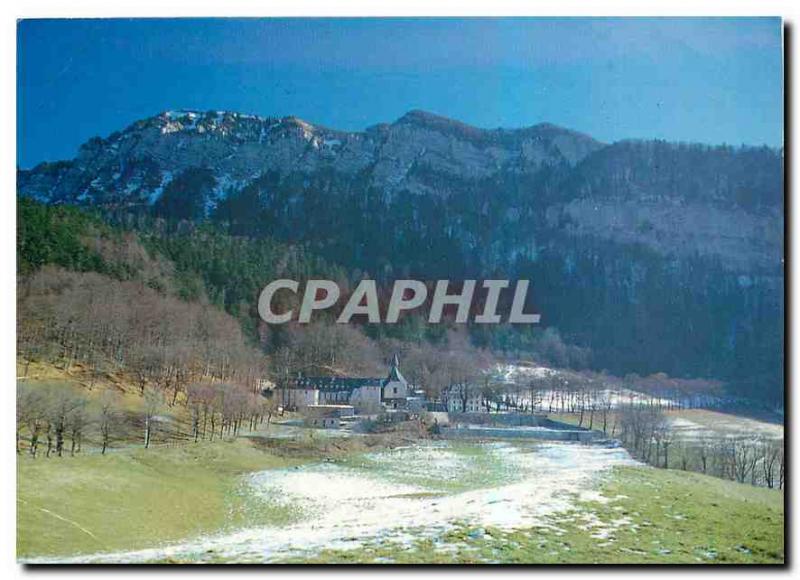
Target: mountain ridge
point(134, 165)
point(563, 175)
point(656, 256)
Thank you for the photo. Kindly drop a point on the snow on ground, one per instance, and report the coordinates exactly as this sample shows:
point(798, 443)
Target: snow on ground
point(511, 372)
point(699, 423)
point(690, 424)
point(401, 495)
point(155, 195)
point(687, 429)
point(521, 374)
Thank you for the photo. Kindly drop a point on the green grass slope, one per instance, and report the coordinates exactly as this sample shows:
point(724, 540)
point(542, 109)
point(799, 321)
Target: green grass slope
point(137, 498)
point(641, 516)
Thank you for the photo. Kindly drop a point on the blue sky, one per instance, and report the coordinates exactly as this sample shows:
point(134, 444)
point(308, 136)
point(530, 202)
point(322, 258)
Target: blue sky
point(706, 80)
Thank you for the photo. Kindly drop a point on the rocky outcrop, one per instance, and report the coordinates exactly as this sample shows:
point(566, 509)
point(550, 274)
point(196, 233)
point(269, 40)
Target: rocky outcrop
point(675, 199)
point(654, 256)
point(133, 166)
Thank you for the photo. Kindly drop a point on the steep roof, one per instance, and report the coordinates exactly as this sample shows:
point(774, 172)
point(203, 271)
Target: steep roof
point(394, 372)
point(329, 384)
point(336, 383)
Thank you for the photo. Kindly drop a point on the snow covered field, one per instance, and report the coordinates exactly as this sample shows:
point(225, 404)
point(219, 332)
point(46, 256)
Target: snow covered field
point(522, 375)
point(401, 494)
point(694, 424)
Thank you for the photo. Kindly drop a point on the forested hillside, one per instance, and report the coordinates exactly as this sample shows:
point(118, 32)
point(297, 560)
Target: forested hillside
point(91, 294)
point(176, 307)
point(645, 256)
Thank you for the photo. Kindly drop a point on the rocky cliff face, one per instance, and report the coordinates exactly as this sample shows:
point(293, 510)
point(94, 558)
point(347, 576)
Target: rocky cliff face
point(134, 165)
point(655, 256)
point(720, 202)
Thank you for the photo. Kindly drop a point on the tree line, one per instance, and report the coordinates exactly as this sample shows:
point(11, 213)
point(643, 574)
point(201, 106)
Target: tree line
point(90, 319)
point(54, 420)
point(646, 432)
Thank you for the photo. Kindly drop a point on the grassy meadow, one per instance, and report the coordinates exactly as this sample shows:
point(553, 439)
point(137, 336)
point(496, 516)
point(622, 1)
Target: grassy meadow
point(640, 516)
point(133, 498)
point(136, 498)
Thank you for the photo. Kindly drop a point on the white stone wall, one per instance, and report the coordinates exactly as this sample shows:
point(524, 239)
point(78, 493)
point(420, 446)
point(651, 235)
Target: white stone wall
point(474, 404)
point(301, 398)
point(395, 390)
point(367, 399)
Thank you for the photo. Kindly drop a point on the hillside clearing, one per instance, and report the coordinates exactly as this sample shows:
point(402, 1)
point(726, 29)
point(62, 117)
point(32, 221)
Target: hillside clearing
point(135, 498)
point(540, 504)
point(690, 424)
